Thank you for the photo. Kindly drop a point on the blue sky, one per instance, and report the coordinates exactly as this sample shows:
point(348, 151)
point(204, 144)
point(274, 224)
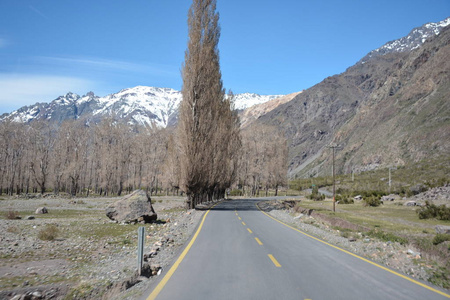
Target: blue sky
point(51, 47)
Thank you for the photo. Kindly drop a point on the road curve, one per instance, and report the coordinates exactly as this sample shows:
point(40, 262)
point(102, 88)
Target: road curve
point(241, 253)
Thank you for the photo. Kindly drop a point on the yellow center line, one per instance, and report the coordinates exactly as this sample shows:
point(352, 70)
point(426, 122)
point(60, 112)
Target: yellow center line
point(243, 223)
point(249, 230)
point(239, 218)
point(275, 262)
point(258, 241)
point(360, 257)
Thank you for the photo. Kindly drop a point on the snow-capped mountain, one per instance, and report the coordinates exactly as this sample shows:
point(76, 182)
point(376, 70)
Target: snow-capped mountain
point(139, 105)
point(246, 100)
point(413, 40)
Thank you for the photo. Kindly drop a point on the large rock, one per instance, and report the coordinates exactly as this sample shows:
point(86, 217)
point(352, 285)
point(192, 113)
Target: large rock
point(41, 210)
point(132, 208)
point(442, 229)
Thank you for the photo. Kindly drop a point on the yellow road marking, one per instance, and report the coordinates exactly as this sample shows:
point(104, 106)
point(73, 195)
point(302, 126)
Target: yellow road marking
point(243, 223)
point(239, 218)
point(172, 270)
point(275, 262)
point(249, 230)
point(357, 256)
point(258, 241)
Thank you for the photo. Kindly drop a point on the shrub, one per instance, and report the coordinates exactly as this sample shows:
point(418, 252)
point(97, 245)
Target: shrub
point(344, 199)
point(440, 238)
point(429, 211)
point(315, 195)
point(12, 215)
point(387, 236)
point(417, 189)
point(372, 201)
point(49, 233)
point(441, 277)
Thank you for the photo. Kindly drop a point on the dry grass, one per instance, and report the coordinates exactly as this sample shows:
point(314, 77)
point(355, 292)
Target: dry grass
point(48, 233)
point(12, 215)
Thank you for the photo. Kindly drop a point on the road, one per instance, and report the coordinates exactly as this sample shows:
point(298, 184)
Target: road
point(241, 253)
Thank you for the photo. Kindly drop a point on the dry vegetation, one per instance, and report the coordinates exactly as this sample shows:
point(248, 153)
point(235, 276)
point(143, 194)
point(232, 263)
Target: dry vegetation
point(76, 251)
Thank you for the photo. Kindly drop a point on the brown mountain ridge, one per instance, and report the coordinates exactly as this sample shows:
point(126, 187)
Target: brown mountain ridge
point(389, 110)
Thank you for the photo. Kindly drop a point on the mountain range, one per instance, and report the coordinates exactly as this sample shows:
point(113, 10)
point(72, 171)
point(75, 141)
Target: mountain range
point(139, 105)
point(390, 108)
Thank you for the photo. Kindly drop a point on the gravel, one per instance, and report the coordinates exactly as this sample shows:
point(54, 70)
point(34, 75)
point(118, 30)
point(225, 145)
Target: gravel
point(92, 257)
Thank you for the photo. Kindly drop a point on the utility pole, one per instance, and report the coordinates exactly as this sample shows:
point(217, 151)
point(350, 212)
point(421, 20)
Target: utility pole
point(390, 168)
point(353, 174)
point(334, 181)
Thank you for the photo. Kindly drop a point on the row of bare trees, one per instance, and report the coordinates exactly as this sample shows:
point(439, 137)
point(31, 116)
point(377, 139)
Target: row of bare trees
point(79, 159)
point(263, 160)
point(110, 158)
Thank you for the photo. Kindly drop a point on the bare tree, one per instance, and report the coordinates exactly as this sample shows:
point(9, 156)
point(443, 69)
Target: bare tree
point(204, 112)
point(41, 142)
point(263, 160)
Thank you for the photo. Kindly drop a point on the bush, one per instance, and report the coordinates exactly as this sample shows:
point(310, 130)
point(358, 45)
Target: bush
point(344, 199)
point(315, 195)
point(441, 277)
point(12, 215)
point(49, 233)
point(429, 211)
point(440, 238)
point(372, 201)
point(387, 236)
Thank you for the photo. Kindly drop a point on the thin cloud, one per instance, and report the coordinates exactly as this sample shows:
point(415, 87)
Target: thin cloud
point(38, 11)
point(108, 65)
point(21, 90)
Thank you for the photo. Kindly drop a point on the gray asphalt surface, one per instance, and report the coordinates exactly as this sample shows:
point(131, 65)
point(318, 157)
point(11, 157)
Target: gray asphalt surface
point(227, 262)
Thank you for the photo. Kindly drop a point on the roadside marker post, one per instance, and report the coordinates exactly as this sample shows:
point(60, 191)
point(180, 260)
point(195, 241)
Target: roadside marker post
point(141, 231)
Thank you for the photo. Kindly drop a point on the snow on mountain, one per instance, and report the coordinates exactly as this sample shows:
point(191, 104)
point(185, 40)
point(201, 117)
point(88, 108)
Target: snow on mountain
point(413, 40)
point(139, 105)
point(246, 100)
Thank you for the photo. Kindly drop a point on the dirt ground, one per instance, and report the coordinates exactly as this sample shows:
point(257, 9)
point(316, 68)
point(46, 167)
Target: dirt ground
point(90, 254)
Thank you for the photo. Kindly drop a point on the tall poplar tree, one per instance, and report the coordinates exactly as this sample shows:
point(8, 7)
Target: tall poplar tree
point(203, 109)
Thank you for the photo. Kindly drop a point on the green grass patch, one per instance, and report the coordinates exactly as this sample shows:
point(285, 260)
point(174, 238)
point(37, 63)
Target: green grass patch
point(387, 237)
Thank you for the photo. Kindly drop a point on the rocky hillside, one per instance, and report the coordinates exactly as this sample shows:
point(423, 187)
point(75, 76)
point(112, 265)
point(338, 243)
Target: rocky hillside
point(390, 109)
point(252, 113)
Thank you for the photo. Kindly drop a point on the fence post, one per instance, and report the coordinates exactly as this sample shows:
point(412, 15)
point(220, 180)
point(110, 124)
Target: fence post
point(140, 253)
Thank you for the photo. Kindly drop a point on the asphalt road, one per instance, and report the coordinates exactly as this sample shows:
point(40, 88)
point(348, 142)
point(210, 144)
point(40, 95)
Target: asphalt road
point(241, 253)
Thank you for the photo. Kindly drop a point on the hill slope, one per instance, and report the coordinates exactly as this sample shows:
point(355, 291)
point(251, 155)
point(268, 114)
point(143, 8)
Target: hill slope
point(387, 110)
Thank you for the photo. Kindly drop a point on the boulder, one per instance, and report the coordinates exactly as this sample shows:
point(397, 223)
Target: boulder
point(41, 210)
point(132, 208)
point(442, 229)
